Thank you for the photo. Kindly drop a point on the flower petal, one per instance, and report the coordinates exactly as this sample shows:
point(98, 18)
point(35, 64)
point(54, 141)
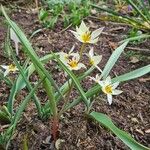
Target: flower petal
point(108, 80)
point(101, 83)
point(116, 92)
point(91, 53)
point(97, 59)
point(72, 49)
point(81, 65)
point(98, 68)
point(83, 27)
point(93, 41)
point(96, 33)
point(109, 98)
point(114, 85)
point(5, 67)
point(6, 72)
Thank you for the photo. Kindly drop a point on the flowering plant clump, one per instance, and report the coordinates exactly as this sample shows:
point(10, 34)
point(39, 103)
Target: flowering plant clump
point(70, 63)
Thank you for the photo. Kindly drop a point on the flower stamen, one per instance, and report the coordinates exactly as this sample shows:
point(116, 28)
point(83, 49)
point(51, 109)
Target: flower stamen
point(86, 37)
point(108, 89)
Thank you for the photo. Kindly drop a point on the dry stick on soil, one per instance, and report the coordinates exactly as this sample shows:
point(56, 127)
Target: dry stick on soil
point(65, 28)
point(139, 49)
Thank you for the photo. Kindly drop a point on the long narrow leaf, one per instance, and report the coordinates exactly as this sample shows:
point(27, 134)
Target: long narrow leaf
point(133, 74)
point(28, 48)
point(20, 83)
point(29, 86)
point(112, 60)
point(125, 137)
point(24, 104)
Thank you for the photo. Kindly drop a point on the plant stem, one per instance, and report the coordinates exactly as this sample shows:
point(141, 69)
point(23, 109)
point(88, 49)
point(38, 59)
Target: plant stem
point(82, 49)
point(67, 98)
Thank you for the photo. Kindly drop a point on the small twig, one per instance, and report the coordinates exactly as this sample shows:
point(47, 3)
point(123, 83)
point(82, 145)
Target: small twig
point(138, 49)
point(110, 34)
point(66, 28)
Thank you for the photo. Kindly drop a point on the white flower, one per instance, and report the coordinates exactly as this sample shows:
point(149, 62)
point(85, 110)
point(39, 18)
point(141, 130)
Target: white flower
point(65, 56)
point(96, 79)
point(15, 38)
point(84, 35)
point(9, 68)
point(94, 60)
point(109, 88)
point(74, 64)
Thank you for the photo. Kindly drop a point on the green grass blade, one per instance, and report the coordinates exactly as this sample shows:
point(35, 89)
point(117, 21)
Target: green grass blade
point(122, 135)
point(143, 36)
point(137, 10)
point(129, 19)
point(112, 60)
point(73, 77)
point(144, 7)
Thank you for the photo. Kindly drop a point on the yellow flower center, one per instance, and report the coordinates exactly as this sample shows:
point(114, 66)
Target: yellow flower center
point(108, 89)
point(86, 37)
point(91, 62)
point(73, 63)
point(12, 67)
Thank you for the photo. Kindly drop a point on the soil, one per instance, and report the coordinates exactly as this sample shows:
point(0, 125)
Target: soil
point(130, 111)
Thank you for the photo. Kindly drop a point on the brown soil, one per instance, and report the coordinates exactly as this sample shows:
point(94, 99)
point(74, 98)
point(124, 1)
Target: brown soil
point(130, 111)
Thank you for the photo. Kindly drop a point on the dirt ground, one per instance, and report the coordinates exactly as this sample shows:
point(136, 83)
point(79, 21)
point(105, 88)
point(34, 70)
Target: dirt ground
point(130, 111)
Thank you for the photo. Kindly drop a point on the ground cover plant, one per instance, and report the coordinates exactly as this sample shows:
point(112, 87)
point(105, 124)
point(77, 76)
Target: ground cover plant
point(71, 12)
point(76, 71)
point(135, 13)
point(70, 63)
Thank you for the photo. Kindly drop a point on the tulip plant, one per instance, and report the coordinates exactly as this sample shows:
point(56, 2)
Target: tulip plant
point(70, 63)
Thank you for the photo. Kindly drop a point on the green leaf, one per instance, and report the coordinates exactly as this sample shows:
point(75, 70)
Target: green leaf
point(96, 89)
point(20, 83)
point(143, 36)
point(29, 86)
point(4, 118)
point(125, 137)
point(43, 14)
point(73, 77)
point(113, 59)
point(24, 103)
point(29, 50)
point(133, 74)
point(49, 81)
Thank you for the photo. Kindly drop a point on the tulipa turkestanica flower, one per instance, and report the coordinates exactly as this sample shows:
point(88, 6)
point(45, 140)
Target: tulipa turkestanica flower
point(109, 88)
point(84, 35)
point(9, 68)
point(94, 60)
